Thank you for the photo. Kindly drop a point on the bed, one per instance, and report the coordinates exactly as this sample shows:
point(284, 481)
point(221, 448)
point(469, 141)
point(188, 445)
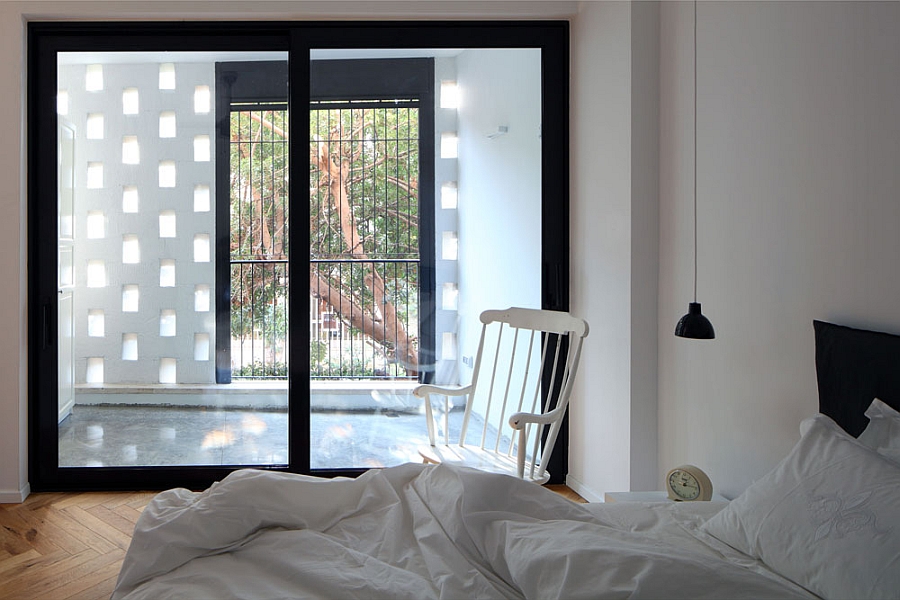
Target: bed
point(825, 522)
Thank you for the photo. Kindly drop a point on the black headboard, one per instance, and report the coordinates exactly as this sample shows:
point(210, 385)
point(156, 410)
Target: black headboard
point(853, 366)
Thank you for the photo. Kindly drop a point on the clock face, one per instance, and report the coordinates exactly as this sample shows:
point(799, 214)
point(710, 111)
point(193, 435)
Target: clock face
point(684, 485)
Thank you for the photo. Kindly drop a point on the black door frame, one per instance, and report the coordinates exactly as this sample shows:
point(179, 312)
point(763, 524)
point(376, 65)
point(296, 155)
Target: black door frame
point(46, 39)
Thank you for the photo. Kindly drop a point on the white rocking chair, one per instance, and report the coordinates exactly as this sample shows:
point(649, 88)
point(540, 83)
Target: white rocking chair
point(521, 382)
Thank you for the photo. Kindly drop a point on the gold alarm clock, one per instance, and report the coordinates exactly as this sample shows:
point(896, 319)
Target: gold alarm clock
point(688, 483)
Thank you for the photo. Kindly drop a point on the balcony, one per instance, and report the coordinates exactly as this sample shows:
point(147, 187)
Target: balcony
point(352, 425)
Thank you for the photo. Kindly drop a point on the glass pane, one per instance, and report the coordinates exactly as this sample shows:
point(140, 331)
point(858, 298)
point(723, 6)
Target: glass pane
point(404, 184)
point(141, 359)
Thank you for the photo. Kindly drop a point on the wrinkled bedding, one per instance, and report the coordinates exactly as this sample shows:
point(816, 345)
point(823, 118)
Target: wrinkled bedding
point(425, 532)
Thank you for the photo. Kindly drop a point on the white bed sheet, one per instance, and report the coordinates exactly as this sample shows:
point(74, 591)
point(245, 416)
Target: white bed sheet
point(425, 532)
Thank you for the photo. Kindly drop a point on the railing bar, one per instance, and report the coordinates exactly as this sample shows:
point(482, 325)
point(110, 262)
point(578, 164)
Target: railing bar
point(240, 180)
point(341, 337)
point(271, 260)
point(272, 176)
point(241, 315)
point(363, 260)
point(396, 189)
point(251, 164)
point(264, 341)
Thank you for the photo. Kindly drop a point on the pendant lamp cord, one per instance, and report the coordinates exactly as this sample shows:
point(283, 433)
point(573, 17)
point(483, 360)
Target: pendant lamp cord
point(695, 150)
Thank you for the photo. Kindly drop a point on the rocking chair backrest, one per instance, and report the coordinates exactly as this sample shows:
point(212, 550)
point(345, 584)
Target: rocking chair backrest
point(526, 363)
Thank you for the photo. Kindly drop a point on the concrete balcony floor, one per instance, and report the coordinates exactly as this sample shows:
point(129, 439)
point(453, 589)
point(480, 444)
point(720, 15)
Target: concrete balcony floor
point(134, 435)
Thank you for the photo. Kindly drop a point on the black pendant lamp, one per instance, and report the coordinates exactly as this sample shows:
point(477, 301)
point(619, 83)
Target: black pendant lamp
point(694, 325)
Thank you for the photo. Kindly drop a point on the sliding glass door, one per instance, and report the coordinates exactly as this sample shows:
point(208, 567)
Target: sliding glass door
point(139, 296)
point(170, 344)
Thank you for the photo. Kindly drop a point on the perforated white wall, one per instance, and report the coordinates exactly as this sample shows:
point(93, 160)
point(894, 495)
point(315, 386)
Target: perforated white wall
point(445, 225)
point(144, 223)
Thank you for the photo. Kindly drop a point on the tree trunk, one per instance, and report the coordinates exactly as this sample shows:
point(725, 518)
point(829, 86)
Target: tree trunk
point(392, 333)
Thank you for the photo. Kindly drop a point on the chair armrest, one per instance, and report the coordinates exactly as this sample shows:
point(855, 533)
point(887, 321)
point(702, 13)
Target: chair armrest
point(521, 419)
point(421, 391)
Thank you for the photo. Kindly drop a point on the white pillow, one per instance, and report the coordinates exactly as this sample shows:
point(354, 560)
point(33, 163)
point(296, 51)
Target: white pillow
point(882, 434)
point(827, 517)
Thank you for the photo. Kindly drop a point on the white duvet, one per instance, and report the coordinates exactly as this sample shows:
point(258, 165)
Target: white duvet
point(424, 532)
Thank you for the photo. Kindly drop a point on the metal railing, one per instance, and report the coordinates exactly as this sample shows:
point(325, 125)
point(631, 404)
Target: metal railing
point(259, 319)
point(351, 344)
point(375, 330)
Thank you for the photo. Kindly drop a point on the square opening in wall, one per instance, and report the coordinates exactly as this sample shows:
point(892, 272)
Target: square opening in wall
point(201, 148)
point(167, 372)
point(167, 173)
point(94, 373)
point(96, 225)
point(201, 298)
point(201, 248)
point(131, 153)
point(93, 78)
point(449, 195)
point(130, 101)
point(201, 346)
point(449, 94)
point(167, 272)
point(167, 124)
point(96, 273)
point(201, 198)
point(202, 99)
point(449, 245)
point(129, 346)
point(94, 128)
point(130, 199)
point(448, 346)
point(95, 175)
point(130, 297)
point(449, 145)
point(167, 76)
point(167, 322)
point(450, 296)
point(96, 322)
point(62, 102)
point(131, 249)
point(167, 223)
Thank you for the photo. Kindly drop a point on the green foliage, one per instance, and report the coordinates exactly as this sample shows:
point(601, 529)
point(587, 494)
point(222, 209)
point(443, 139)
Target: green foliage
point(259, 219)
point(380, 149)
point(278, 370)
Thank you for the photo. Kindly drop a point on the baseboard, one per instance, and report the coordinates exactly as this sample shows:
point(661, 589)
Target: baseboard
point(15, 497)
point(583, 490)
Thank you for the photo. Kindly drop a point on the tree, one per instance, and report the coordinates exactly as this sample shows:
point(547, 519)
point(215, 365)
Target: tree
point(364, 208)
point(363, 225)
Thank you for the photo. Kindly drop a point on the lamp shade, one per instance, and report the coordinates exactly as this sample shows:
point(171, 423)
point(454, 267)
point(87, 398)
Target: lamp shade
point(694, 325)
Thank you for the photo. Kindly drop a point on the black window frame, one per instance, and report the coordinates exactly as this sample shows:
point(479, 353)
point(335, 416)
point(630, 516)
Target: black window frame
point(46, 39)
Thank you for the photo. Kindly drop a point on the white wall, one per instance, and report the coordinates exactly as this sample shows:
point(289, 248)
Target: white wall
point(499, 186)
point(614, 256)
point(798, 142)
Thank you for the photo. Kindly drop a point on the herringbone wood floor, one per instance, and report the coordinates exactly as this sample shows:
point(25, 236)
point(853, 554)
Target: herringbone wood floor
point(57, 546)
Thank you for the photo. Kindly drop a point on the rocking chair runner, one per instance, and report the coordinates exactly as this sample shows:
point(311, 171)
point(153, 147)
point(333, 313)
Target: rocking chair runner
point(521, 382)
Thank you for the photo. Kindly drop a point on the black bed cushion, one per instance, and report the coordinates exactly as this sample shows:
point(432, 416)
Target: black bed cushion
point(853, 366)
